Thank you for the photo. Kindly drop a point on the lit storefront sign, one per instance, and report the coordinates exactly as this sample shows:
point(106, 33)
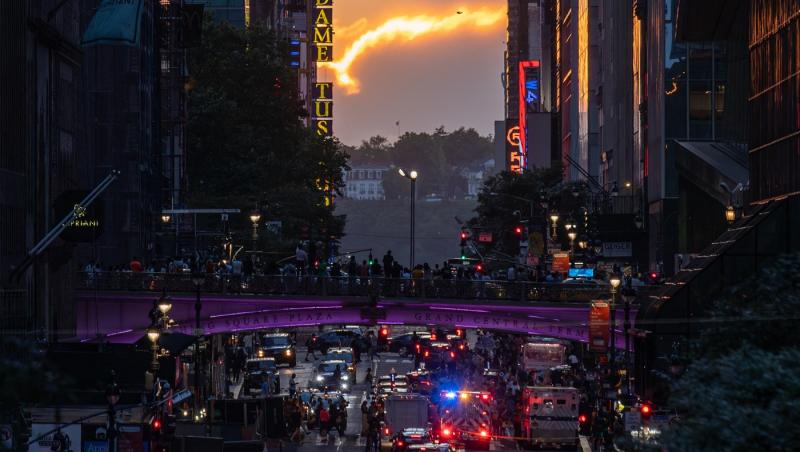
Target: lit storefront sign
point(529, 102)
point(512, 146)
point(323, 30)
point(322, 95)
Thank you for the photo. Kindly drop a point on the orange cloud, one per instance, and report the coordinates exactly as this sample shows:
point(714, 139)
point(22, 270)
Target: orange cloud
point(405, 28)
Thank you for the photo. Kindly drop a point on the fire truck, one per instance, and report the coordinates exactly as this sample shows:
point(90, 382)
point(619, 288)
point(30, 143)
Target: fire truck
point(465, 418)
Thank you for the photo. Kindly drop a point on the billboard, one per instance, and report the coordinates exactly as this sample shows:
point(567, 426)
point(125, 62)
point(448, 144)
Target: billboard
point(529, 102)
point(88, 224)
point(322, 116)
point(599, 320)
point(512, 146)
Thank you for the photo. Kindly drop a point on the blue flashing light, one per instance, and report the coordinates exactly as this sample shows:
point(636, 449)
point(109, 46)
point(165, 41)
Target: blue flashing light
point(295, 42)
point(450, 395)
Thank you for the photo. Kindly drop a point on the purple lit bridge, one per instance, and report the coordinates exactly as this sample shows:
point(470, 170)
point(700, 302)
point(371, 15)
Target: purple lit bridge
point(118, 312)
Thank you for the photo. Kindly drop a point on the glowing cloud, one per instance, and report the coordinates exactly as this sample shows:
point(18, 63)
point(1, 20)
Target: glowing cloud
point(408, 29)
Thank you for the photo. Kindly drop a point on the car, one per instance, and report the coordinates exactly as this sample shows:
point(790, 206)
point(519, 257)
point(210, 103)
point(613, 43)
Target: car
point(279, 346)
point(408, 437)
point(420, 381)
point(437, 354)
point(345, 354)
point(255, 371)
point(404, 343)
point(323, 376)
point(340, 338)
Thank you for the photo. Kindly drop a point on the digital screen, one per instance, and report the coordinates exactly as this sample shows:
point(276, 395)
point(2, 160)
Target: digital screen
point(581, 273)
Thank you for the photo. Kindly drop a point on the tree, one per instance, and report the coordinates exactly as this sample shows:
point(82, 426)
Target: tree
point(502, 205)
point(741, 390)
point(248, 145)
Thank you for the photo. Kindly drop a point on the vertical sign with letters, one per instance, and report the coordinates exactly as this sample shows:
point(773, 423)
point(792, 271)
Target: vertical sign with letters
point(322, 93)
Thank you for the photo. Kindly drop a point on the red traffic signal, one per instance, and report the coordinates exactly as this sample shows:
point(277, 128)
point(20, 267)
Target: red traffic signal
point(582, 419)
point(464, 235)
point(384, 331)
point(518, 230)
point(156, 424)
point(478, 268)
point(646, 410)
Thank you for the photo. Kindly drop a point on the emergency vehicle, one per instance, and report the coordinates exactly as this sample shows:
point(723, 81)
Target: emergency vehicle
point(551, 416)
point(541, 356)
point(465, 418)
point(401, 412)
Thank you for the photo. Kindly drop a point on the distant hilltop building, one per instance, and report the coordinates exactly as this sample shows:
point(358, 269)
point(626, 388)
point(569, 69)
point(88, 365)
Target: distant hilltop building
point(365, 182)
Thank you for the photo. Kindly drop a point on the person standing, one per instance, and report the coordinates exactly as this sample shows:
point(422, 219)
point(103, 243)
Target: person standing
point(365, 419)
point(311, 345)
point(292, 386)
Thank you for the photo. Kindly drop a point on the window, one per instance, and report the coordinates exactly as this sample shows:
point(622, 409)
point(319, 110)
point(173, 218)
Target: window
point(370, 174)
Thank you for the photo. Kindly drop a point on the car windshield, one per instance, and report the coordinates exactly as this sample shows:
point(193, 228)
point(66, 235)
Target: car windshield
point(344, 356)
point(329, 367)
point(254, 366)
point(276, 341)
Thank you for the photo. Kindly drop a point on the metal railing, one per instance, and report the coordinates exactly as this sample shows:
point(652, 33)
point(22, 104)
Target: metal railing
point(311, 285)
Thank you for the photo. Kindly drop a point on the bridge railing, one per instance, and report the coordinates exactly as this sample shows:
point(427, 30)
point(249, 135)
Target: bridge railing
point(311, 285)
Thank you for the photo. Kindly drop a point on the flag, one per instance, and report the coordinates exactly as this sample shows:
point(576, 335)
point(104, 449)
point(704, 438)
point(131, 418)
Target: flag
point(116, 22)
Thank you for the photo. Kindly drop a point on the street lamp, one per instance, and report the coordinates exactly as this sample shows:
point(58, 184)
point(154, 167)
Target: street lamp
point(572, 236)
point(164, 304)
point(615, 282)
point(628, 296)
point(153, 334)
point(198, 279)
point(412, 176)
point(165, 218)
point(554, 220)
point(730, 214)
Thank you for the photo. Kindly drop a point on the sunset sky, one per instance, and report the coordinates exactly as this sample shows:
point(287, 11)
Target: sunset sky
point(418, 67)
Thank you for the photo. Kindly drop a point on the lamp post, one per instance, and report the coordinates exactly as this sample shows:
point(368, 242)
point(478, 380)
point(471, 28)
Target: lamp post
point(730, 214)
point(198, 278)
point(153, 334)
point(112, 397)
point(572, 236)
point(255, 217)
point(628, 295)
point(412, 176)
point(615, 282)
point(554, 220)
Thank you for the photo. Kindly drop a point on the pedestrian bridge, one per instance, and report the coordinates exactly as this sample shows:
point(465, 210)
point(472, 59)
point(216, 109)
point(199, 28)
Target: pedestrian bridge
point(114, 307)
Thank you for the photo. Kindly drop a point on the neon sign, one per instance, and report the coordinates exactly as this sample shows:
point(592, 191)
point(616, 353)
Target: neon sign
point(529, 97)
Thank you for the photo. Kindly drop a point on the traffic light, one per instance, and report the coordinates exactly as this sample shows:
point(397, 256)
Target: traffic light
point(646, 410)
point(155, 429)
point(464, 236)
point(478, 268)
point(518, 230)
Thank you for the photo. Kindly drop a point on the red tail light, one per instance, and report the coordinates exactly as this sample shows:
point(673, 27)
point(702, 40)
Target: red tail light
point(458, 332)
point(386, 431)
point(446, 432)
point(400, 444)
point(427, 353)
point(484, 434)
point(433, 336)
point(485, 396)
point(452, 354)
point(461, 347)
point(582, 418)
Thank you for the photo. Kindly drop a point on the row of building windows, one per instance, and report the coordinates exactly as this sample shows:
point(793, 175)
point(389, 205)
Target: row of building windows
point(364, 174)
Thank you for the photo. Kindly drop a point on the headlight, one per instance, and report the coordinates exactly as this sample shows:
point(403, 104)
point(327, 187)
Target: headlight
point(320, 378)
point(288, 352)
point(261, 353)
point(344, 385)
point(345, 377)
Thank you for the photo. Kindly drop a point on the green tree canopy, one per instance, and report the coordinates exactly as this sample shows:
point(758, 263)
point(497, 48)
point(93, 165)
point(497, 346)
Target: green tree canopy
point(248, 145)
point(742, 391)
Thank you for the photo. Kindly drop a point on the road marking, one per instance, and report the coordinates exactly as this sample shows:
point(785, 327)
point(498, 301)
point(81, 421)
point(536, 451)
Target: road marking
point(585, 447)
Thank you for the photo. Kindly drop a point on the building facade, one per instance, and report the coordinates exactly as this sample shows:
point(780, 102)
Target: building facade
point(365, 182)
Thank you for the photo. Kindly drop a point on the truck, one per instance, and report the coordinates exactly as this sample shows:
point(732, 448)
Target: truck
point(551, 416)
point(403, 411)
point(541, 356)
point(465, 419)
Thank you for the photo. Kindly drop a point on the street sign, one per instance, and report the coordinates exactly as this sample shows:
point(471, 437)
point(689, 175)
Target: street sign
point(617, 249)
point(633, 420)
point(599, 317)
